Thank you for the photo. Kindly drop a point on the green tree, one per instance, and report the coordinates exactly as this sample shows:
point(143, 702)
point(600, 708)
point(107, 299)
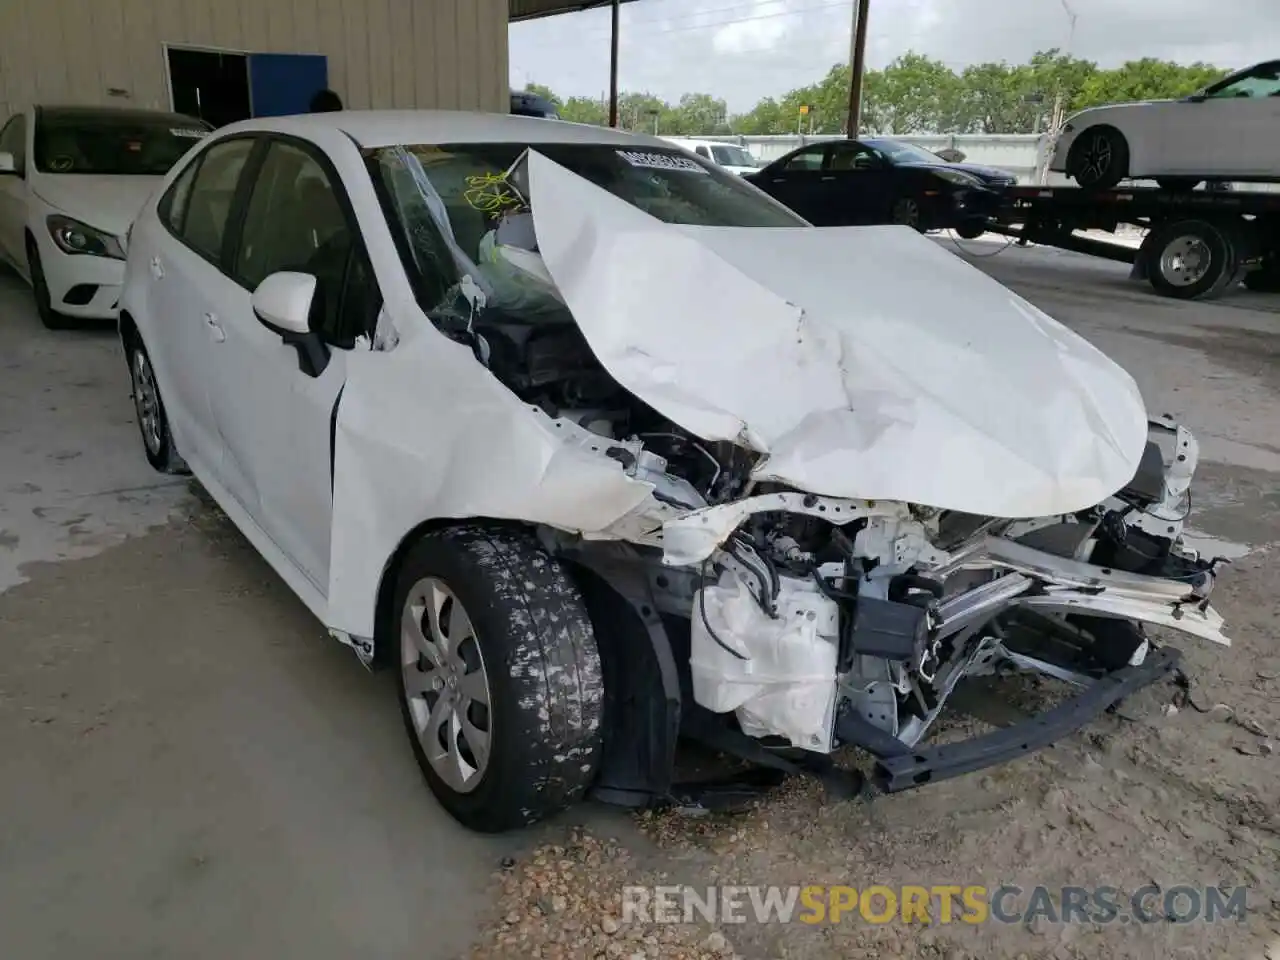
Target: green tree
point(1146, 79)
point(697, 113)
point(917, 94)
point(585, 110)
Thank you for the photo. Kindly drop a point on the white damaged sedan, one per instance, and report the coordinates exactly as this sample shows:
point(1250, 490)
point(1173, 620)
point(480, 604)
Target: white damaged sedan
point(597, 447)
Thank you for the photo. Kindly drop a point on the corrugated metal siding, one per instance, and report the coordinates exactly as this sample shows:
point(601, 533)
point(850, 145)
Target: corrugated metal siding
point(382, 53)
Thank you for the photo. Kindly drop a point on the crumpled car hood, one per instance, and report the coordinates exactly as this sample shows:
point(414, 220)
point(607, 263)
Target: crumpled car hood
point(864, 362)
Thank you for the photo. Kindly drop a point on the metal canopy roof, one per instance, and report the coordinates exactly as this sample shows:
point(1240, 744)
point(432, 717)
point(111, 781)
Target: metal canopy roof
point(532, 9)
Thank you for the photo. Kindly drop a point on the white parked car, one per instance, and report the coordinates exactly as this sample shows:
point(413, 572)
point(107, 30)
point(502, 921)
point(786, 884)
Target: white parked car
point(585, 438)
point(1230, 131)
point(71, 181)
point(731, 156)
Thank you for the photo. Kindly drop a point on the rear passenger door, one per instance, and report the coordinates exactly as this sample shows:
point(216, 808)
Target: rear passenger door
point(796, 181)
point(859, 185)
point(186, 277)
point(275, 418)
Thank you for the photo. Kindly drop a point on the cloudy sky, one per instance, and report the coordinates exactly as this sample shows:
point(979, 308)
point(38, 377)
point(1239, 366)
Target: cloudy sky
point(745, 49)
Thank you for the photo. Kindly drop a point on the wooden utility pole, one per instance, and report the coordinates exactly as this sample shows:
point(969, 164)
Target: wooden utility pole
point(857, 64)
point(613, 68)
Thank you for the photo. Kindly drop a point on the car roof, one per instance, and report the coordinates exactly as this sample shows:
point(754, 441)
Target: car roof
point(386, 128)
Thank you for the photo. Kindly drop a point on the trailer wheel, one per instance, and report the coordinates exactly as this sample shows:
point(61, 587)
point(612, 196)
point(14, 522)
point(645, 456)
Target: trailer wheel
point(1190, 259)
point(1099, 159)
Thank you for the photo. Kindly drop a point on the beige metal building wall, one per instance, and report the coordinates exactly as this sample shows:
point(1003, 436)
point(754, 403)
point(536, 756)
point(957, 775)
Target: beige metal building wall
point(448, 54)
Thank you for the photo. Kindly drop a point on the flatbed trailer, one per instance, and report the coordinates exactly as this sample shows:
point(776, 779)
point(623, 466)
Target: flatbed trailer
point(1199, 243)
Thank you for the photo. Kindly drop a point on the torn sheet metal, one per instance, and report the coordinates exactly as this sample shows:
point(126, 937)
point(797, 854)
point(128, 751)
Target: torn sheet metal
point(866, 362)
point(425, 432)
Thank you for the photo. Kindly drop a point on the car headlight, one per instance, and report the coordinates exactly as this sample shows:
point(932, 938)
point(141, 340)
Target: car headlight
point(74, 237)
point(959, 178)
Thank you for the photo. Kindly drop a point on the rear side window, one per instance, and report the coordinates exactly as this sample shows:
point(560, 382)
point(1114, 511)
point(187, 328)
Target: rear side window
point(204, 220)
point(173, 205)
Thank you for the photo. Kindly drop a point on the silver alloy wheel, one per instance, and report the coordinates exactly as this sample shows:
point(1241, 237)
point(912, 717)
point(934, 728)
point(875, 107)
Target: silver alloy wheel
point(445, 684)
point(146, 399)
point(906, 212)
point(1096, 157)
point(1185, 261)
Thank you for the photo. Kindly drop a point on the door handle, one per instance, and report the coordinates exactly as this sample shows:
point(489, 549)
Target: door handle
point(157, 270)
point(825, 179)
point(215, 330)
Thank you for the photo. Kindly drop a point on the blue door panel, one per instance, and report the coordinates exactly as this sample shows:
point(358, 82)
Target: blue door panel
point(281, 84)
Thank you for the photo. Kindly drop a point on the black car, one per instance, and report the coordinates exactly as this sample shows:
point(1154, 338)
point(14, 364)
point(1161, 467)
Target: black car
point(877, 180)
point(526, 104)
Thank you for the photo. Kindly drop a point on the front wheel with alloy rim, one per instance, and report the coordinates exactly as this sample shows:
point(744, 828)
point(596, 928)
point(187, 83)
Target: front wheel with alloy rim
point(1099, 159)
point(906, 212)
point(153, 422)
point(49, 317)
point(499, 676)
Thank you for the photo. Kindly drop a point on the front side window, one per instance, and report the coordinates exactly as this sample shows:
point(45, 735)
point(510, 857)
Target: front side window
point(1261, 81)
point(295, 222)
point(13, 140)
point(854, 156)
point(205, 221)
point(113, 142)
point(809, 159)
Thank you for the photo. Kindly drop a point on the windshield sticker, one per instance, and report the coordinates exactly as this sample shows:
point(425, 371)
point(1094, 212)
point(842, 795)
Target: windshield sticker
point(662, 161)
point(188, 133)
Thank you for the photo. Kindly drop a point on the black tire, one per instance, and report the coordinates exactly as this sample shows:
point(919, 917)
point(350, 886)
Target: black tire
point(1099, 158)
point(541, 673)
point(49, 317)
point(906, 213)
point(153, 421)
point(1177, 184)
point(1168, 244)
point(971, 229)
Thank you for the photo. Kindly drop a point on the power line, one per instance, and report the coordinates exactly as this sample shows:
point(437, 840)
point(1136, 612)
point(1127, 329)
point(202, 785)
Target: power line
point(722, 23)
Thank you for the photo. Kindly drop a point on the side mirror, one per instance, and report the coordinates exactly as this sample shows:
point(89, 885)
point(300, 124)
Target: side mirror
point(282, 304)
point(8, 165)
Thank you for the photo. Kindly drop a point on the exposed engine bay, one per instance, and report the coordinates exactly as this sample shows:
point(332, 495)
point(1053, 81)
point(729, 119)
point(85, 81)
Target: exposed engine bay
point(818, 621)
point(815, 620)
